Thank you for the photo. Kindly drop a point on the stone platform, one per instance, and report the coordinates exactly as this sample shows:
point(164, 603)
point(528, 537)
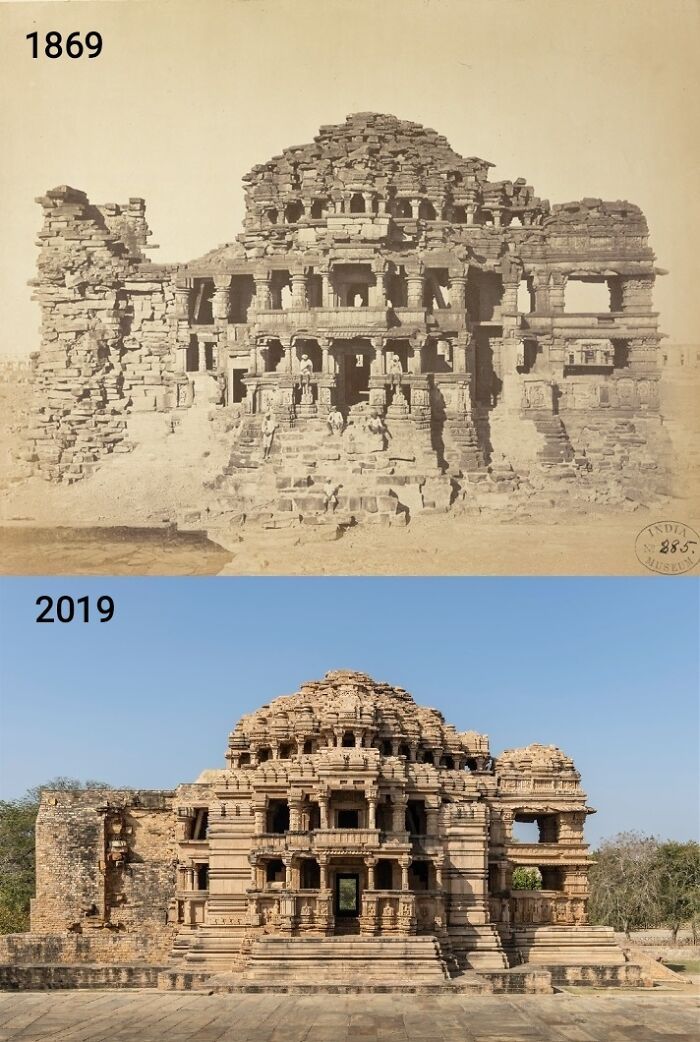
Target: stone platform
point(154, 1016)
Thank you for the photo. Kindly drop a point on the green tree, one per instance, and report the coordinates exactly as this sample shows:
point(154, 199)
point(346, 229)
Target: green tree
point(625, 884)
point(17, 856)
point(679, 885)
point(526, 879)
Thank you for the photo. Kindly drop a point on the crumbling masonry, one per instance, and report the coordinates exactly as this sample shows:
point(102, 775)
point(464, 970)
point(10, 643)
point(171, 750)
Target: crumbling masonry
point(382, 275)
point(354, 838)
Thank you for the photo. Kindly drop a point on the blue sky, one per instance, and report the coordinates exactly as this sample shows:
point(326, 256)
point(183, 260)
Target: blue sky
point(605, 668)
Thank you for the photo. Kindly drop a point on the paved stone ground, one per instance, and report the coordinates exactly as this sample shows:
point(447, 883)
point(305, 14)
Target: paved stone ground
point(149, 1016)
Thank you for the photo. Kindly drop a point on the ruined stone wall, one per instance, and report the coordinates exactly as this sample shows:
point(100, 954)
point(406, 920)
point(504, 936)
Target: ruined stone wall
point(87, 370)
point(106, 868)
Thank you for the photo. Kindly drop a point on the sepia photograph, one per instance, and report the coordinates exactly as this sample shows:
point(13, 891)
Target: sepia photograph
point(348, 288)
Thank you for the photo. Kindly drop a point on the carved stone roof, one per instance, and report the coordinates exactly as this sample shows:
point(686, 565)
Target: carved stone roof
point(534, 757)
point(347, 700)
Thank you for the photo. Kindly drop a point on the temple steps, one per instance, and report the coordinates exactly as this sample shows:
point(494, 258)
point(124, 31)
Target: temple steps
point(567, 945)
point(347, 960)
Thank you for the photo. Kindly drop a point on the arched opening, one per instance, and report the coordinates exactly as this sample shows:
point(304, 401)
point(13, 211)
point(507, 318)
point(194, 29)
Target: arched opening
point(348, 741)
point(403, 208)
point(426, 210)
point(357, 203)
point(277, 817)
point(308, 747)
point(272, 215)
point(387, 748)
point(459, 214)
point(293, 211)
point(317, 208)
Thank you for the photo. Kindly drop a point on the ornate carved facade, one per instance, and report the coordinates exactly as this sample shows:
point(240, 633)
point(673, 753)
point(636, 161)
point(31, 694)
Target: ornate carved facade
point(347, 814)
point(378, 273)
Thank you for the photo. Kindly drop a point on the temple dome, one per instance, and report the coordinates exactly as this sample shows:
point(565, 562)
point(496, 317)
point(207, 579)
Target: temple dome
point(349, 701)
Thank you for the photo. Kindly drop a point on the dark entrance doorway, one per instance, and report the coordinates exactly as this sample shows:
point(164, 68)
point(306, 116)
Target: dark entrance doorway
point(347, 895)
point(354, 375)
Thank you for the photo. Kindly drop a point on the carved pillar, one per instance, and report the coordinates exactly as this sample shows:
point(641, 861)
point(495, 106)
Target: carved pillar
point(295, 815)
point(263, 301)
point(371, 863)
point(259, 812)
point(222, 297)
point(201, 356)
point(323, 809)
point(458, 292)
point(371, 812)
point(299, 297)
point(326, 290)
point(182, 301)
point(399, 814)
point(253, 872)
point(324, 343)
point(287, 861)
point(414, 282)
point(415, 208)
point(405, 863)
point(323, 871)
point(557, 288)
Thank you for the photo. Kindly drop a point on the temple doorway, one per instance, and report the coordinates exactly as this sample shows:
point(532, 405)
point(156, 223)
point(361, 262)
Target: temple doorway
point(347, 895)
point(353, 374)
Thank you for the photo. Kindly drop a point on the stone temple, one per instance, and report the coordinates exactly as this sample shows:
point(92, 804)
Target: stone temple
point(390, 333)
point(353, 839)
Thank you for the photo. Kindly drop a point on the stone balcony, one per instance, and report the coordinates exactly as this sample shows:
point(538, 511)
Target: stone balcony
point(564, 852)
point(322, 840)
point(618, 324)
point(365, 321)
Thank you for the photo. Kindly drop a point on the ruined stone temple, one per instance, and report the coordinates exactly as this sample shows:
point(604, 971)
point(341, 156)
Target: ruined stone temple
point(353, 837)
point(473, 338)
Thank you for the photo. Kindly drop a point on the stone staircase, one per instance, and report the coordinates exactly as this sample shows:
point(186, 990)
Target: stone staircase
point(579, 945)
point(347, 960)
point(308, 469)
point(557, 447)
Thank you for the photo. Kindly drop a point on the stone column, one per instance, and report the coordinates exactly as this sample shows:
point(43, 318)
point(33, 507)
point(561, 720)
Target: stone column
point(222, 297)
point(182, 301)
point(371, 812)
point(415, 208)
point(259, 819)
point(458, 292)
point(263, 300)
point(371, 863)
point(253, 872)
point(201, 356)
point(415, 289)
point(295, 815)
point(557, 287)
point(287, 861)
point(326, 301)
point(399, 814)
point(323, 871)
point(323, 809)
point(299, 297)
point(405, 863)
point(324, 343)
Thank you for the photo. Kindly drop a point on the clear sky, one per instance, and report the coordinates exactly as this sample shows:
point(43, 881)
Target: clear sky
point(605, 668)
point(580, 98)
